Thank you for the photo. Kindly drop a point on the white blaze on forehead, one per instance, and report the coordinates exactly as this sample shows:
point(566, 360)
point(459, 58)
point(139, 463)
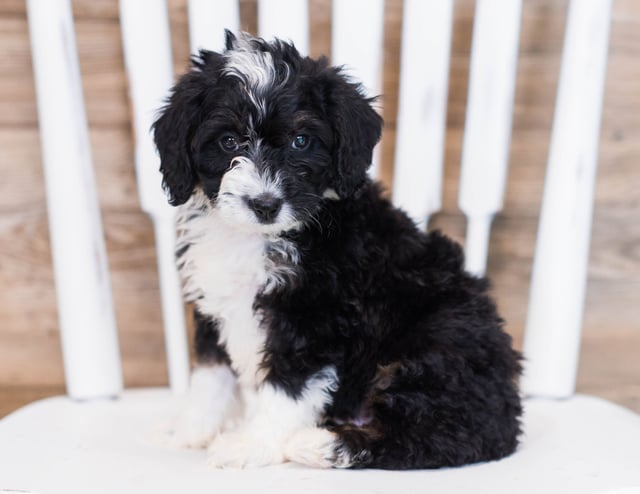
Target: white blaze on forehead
point(254, 68)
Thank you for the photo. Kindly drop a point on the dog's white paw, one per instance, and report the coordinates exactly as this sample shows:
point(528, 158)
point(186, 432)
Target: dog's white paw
point(210, 407)
point(316, 447)
point(242, 449)
point(193, 429)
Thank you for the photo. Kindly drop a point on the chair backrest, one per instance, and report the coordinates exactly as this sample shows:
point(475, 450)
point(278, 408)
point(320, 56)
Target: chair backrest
point(90, 346)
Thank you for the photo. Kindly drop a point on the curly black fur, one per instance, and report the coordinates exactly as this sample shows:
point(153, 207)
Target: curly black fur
point(417, 342)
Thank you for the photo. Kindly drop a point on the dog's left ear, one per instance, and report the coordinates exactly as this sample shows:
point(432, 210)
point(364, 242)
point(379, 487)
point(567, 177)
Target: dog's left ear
point(357, 128)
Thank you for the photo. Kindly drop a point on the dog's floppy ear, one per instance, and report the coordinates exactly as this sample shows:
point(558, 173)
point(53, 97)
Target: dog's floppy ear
point(357, 128)
point(173, 131)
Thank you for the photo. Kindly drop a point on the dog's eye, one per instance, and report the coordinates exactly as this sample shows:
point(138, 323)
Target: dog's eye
point(300, 142)
point(229, 143)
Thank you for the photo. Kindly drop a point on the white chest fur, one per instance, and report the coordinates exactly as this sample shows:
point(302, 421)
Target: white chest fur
point(223, 269)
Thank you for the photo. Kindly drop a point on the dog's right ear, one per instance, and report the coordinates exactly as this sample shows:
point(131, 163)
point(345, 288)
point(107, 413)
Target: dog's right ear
point(174, 129)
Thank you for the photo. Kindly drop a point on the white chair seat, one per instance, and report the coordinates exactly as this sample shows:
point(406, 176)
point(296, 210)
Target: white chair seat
point(581, 445)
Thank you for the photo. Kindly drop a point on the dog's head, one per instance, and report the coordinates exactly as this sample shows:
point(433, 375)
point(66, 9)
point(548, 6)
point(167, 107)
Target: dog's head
point(267, 134)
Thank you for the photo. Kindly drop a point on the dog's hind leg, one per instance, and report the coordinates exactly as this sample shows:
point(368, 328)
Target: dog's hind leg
point(424, 413)
point(434, 412)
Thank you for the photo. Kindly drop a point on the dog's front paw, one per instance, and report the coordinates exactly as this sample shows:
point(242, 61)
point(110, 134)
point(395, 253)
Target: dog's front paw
point(193, 429)
point(243, 449)
point(211, 406)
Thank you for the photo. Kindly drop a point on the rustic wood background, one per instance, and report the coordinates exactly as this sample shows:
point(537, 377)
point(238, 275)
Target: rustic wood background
point(30, 359)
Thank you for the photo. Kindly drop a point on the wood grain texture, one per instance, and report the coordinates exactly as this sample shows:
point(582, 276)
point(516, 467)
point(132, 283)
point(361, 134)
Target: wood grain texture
point(14, 397)
point(30, 360)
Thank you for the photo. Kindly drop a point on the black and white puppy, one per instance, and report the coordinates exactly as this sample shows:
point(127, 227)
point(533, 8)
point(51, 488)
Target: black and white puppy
point(329, 330)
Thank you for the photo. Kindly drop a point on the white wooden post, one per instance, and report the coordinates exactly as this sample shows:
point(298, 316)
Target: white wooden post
point(208, 20)
point(554, 322)
point(285, 19)
point(85, 308)
point(487, 134)
point(422, 108)
point(357, 44)
point(147, 50)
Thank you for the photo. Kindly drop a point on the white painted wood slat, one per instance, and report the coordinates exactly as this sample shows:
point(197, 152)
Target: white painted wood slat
point(285, 19)
point(556, 304)
point(85, 308)
point(487, 134)
point(145, 30)
point(357, 44)
point(208, 20)
point(422, 107)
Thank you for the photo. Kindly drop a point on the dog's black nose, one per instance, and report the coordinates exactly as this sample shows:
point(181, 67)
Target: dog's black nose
point(266, 207)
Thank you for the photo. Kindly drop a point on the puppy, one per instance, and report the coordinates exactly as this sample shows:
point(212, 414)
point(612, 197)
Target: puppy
point(329, 330)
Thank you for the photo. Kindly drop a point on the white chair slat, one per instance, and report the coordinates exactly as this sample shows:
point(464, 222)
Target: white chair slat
point(422, 107)
point(559, 275)
point(357, 44)
point(208, 20)
point(145, 30)
point(85, 306)
point(285, 19)
point(487, 134)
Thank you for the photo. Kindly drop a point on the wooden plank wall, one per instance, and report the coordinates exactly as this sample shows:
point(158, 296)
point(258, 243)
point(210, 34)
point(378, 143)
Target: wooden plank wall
point(30, 360)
